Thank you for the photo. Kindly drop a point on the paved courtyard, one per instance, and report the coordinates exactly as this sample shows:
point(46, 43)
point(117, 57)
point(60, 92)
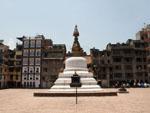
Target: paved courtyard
point(22, 101)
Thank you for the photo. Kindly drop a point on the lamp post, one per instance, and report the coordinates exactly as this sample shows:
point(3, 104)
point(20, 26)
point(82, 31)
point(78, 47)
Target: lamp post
point(75, 82)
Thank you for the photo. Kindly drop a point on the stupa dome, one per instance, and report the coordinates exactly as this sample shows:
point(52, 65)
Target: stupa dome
point(76, 64)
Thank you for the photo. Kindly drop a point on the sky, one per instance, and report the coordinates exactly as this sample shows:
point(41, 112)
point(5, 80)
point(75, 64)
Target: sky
point(99, 21)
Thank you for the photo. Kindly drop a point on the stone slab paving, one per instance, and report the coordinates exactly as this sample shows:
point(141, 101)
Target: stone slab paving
point(22, 101)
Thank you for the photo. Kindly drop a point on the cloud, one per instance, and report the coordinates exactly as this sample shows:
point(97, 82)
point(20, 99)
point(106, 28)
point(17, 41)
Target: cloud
point(10, 42)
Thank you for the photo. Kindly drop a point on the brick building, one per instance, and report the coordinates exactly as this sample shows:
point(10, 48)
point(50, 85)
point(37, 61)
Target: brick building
point(122, 63)
point(4, 69)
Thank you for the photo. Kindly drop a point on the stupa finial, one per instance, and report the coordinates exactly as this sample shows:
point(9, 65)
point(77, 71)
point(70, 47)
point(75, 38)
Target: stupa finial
point(76, 32)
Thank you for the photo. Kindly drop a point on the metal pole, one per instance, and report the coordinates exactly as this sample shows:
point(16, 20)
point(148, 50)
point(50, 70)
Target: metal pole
point(76, 95)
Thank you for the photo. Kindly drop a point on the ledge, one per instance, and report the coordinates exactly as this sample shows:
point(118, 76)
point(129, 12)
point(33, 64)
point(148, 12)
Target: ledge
point(73, 94)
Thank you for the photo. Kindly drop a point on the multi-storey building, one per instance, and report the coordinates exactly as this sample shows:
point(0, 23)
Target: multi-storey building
point(11, 66)
point(18, 65)
point(144, 35)
point(126, 62)
point(121, 63)
point(4, 72)
point(41, 61)
point(31, 61)
point(52, 63)
point(14, 66)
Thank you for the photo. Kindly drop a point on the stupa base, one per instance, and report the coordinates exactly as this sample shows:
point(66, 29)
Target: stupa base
point(71, 94)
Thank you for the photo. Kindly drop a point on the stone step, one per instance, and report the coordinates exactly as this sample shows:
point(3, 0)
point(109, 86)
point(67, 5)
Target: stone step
point(92, 90)
point(84, 76)
point(82, 87)
point(68, 83)
point(82, 79)
point(80, 74)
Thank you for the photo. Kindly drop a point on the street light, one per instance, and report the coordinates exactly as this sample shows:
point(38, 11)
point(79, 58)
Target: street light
point(75, 82)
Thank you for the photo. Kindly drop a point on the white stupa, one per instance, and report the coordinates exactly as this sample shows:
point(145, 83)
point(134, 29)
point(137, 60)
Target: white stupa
point(77, 64)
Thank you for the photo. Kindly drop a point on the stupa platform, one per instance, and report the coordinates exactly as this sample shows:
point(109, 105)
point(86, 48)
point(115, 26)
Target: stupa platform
point(72, 92)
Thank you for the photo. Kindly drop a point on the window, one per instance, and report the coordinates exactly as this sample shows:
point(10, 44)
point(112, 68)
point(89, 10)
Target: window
point(11, 77)
point(26, 43)
point(25, 69)
point(37, 69)
point(118, 67)
point(45, 69)
point(18, 56)
point(148, 61)
point(11, 69)
point(31, 61)
point(0, 70)
point(24, 84)
point(145, 66)
point(27, 76)
point(138, 60)
point(128, 60)
point(128, 67)
point(129, 75)
point(1, 50)
point(31, 52)
point(32, 43)
point(38, 52)
point(108, 61)
point(45, 62)
point(25, 61)
point(110, 69)
point(25, 52)
point(127, 51)
point(103, 76)
point(116, 59)
point(38, 43)
point(33, 84)
point(116, 52)
point(139, 67)
point(30, 84)
point(18, 63)
point(24, 75)
point(18, 69)
point(144, 59)
point(118, 75)
point(0, 77)
point(33, 77)
point(102, 61)
point(31, 70)
point(37, 61)
point(111, 76)
point(27, 84)
point(43, 78)
point(16, 77)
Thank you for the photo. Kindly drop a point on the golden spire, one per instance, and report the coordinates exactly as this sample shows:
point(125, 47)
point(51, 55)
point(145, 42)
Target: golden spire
point(76, 32)
point(76, 49)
